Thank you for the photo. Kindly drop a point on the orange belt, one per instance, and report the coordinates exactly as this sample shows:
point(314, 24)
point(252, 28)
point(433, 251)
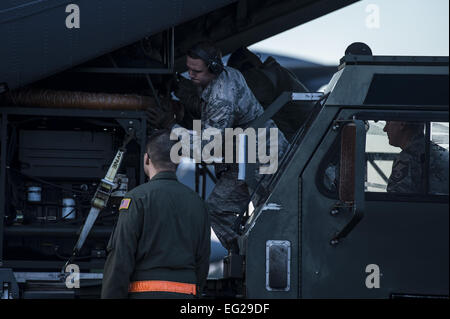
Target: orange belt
point(162, 286)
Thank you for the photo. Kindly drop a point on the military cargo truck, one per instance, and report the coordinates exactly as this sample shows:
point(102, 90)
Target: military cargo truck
point(332, 228)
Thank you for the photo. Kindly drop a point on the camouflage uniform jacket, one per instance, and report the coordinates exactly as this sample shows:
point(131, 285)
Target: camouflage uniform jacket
point(227, 102)
point(408, 174)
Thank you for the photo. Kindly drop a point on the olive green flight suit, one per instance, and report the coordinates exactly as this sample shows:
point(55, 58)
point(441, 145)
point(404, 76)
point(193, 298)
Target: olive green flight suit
point(163, 233)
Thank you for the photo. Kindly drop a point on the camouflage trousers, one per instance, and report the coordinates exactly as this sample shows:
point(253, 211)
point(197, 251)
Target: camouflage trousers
point(229, 198)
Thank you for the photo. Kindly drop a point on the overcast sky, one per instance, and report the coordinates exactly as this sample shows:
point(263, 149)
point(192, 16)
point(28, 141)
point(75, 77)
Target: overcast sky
point(389, 27)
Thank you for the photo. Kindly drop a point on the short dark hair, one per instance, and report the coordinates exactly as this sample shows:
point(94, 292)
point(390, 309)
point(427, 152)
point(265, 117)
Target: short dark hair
point(158, 149)
point(206, 46)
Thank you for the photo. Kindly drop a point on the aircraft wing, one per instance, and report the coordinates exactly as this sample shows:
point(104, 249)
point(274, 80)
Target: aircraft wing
point(37, 42)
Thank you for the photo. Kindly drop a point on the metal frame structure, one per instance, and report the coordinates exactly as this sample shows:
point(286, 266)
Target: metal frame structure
point(129, 120)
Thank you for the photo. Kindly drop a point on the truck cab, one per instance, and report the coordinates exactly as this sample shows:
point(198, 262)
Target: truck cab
point(332, 227)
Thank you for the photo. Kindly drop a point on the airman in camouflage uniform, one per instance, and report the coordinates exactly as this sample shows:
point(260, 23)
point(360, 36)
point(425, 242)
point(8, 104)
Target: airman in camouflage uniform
point(227, 102)
point(408, 169)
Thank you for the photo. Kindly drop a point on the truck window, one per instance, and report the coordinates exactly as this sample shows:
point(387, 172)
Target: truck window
point(407, 157)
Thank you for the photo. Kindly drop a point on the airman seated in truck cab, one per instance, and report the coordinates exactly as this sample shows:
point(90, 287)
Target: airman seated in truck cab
point(408, 169)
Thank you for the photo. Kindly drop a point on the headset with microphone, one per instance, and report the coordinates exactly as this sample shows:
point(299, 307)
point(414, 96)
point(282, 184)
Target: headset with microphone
point(214, 64)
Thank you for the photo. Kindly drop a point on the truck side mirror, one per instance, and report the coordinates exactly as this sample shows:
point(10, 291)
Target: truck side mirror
point(352, 174)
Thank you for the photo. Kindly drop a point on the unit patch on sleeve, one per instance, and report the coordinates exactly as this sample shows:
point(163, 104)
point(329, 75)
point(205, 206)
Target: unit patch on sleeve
point(125, 203)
